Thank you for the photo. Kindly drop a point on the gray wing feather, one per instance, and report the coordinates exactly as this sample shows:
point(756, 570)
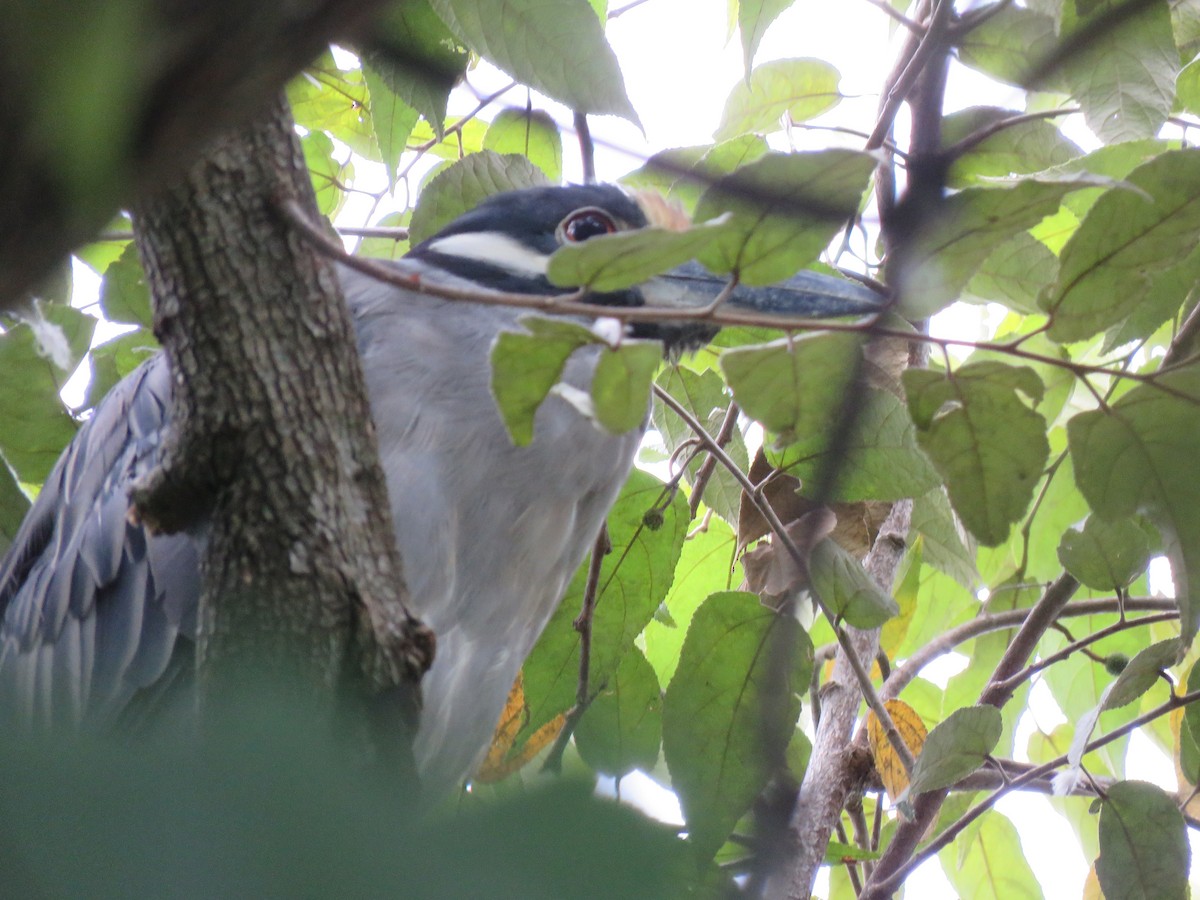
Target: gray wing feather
point(91, 609)
point(84, 622)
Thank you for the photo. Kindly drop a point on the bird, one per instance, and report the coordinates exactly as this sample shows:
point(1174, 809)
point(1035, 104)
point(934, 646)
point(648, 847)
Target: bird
point(95, 611)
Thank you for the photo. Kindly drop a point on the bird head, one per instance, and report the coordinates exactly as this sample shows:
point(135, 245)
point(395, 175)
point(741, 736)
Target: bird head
point(506, 243)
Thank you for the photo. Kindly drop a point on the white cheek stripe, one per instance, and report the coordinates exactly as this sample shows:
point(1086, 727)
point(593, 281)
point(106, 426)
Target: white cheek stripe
point(494, 248)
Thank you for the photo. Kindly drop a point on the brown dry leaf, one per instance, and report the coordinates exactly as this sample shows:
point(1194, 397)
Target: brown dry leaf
point(500, 761)
point(857, 523)
point(771, 572)
point(662, 212)
point(887, 762)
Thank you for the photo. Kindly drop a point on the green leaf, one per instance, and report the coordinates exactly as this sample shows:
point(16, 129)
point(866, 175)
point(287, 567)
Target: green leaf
point(879, 460)
point(13, 506)
point(754, 18)
point(718, 161)
point(845, 587)
point(327, 174)
point(1128, 239)
point(467, 138)
point(1138, 456)
point(526, 366)
point(700, 393)
point(955, 748)
point(1144, 850)
point(294, 816)
point(794, 387)
point(56, 285)
point(1187, 87)
point(529, 133)
point(662, 169)
point(1008, 43)
point(36, 425)
point(786, 209)
point(100, 255)
point(1169, 290)
point(1113, 162)
point(730, 710)
point(1191, 719)
point(837, 853)
point(1141, 673)
point(124, 294)
point(622, 729)
point(986, 862)
point(988, 445)
point(325, 98)
point(463, 185)
point(1014, 274)
point(391, 118)
point(621, 384)
point(634, 579)
point(799, 88)
point(416, 56)
point(967, 229)
point(560, 51)
point(613, 262)
point(1125, 79)
point(1019, 148)
point(707, 565)
point(115, 359)
point(941, 544)
point(1106, 555)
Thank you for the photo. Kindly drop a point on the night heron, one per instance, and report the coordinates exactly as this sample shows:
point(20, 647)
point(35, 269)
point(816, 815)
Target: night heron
point(95, 610)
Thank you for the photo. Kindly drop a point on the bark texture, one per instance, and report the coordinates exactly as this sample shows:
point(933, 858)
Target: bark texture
point(838, 764)
point(271, 440)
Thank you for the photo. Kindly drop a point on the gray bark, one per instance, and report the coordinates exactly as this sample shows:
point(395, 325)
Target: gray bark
point(271, 440)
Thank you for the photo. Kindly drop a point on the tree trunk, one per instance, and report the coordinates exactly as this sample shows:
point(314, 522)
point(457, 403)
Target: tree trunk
point(271, 440)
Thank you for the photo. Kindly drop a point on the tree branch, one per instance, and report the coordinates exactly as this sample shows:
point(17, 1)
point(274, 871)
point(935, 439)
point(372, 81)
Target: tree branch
point(1013, 618)
point(904, 842)
point(836, 767)
point(885, 886)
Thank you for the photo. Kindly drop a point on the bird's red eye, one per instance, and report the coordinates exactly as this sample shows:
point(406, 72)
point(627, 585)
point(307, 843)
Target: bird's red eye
point(586, 223)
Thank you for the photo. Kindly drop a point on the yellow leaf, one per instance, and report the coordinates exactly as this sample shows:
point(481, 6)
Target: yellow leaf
point(1091, 886)
point(501, 760)
point(1186, 788)
point(887, 762)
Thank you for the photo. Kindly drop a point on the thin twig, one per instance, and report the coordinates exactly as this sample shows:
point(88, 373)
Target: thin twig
point(709, 465)
point(1010, 685)
point(587, 149)
point(851, 864)
point(929, 44)
point(634, 4)
point(363, 231)
point(893, 13)
point(455, 128)
point(583, 625)
point(895, 879)
point(1012, 618)
point(977, 137)
point(861, 675)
